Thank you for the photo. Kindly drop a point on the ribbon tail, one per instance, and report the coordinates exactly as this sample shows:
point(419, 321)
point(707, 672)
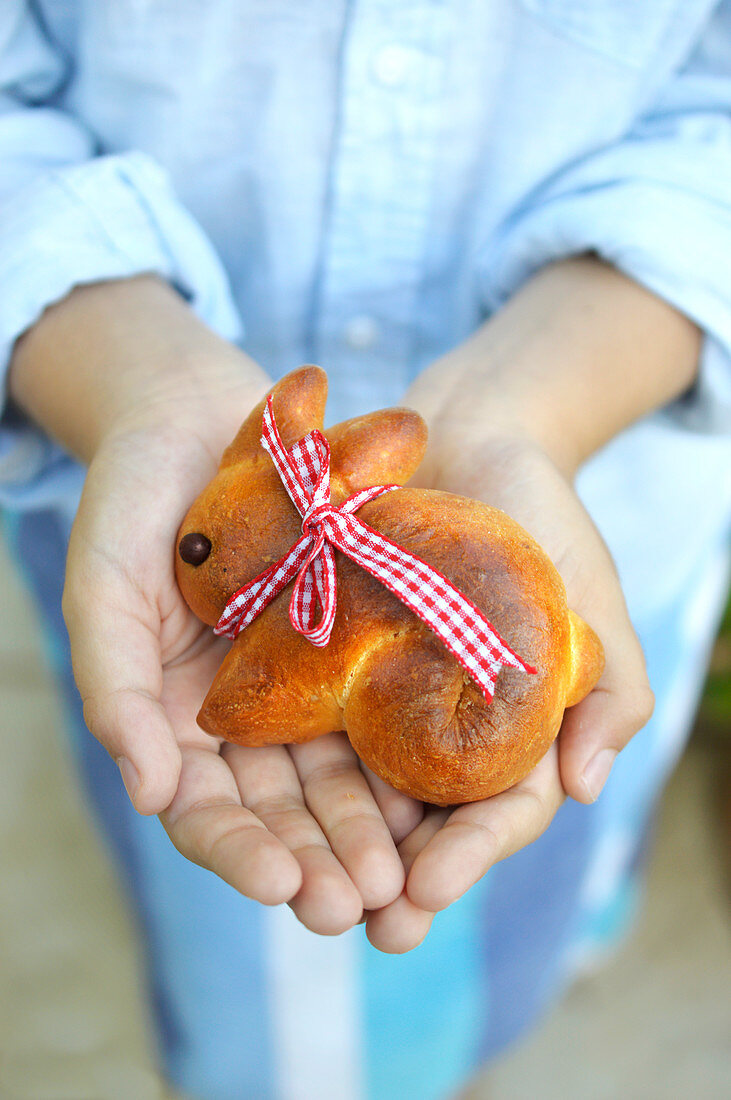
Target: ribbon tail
point(357, 500)
point(252, 598)
point(305, 468)
point(283, 461)
point(317, 583)
point(461, 626)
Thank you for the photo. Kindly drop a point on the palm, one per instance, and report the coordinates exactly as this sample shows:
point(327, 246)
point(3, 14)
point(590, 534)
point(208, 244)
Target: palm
point(450, 850)
point(299, 824)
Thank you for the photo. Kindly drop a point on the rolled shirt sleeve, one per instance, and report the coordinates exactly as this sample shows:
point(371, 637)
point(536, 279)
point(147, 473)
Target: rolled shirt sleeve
point(657, 205)
point(67, 217)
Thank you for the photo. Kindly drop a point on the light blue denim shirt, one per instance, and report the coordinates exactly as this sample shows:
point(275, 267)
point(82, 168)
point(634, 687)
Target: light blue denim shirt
point(360, 183)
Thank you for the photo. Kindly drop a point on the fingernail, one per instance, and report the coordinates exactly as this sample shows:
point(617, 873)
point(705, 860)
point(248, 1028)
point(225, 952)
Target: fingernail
point(597, 772)
point(130, 776)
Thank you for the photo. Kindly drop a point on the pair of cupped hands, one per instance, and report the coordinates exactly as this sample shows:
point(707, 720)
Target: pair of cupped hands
point(308, 824)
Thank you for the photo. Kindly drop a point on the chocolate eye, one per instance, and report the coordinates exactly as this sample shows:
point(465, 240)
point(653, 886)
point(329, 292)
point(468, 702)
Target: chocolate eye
point(194, 548)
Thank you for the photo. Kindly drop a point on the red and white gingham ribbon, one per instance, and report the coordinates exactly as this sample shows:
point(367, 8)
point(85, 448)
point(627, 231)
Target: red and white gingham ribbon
point(305, 472)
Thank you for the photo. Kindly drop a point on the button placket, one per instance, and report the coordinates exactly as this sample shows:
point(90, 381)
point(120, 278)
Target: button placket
point(390, 65)
point(382, 179)
point(361, 332)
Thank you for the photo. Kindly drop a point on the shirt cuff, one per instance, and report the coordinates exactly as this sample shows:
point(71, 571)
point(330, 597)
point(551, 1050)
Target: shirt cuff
point(110, 218)
point(673, 243)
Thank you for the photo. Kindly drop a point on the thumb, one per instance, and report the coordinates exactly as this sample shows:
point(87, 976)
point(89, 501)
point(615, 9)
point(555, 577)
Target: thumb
point(115, 652)
point(598, 728)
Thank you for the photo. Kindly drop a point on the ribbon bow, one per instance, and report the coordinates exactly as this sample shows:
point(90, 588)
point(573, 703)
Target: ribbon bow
point(305, 472)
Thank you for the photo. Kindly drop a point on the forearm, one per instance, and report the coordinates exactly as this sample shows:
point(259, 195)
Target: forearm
point(117, 352)
point(577, 355)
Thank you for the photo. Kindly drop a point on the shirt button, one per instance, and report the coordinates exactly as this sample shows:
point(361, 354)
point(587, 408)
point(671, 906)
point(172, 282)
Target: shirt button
point(390, 65)
point(361, 333)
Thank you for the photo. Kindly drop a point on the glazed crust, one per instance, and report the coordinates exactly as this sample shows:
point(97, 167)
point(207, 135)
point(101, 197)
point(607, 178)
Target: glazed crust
point(411, 712)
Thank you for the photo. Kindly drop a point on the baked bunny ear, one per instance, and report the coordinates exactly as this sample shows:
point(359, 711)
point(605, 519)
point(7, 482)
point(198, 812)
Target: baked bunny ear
point(299, 406)
point(381, 447)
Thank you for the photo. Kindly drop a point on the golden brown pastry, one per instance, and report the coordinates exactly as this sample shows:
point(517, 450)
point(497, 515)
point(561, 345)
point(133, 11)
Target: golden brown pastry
point(412, 713)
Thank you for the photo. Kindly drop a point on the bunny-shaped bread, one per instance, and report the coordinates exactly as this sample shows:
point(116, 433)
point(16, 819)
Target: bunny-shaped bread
point(411, 712)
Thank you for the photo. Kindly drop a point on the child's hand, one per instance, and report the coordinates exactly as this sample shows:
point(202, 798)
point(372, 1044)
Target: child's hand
point(577, 355)
point(129, 380)
point(295, 825)
point(451, 849)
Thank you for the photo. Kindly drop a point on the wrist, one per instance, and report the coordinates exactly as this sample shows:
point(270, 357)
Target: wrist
point(202, 393)
point(473, 415)
point(128, 355)
point(578, 354)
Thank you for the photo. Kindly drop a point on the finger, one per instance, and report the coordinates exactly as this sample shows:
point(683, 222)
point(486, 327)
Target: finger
point(598, 728)
point(400, 812)
point(116, 659)
point(402, 925)
point(480, 834)
point(338, 795)
point(208, 825)
point(327, 901)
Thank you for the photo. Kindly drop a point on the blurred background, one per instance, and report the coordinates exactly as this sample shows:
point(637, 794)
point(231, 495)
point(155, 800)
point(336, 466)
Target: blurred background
point(653, 1022)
